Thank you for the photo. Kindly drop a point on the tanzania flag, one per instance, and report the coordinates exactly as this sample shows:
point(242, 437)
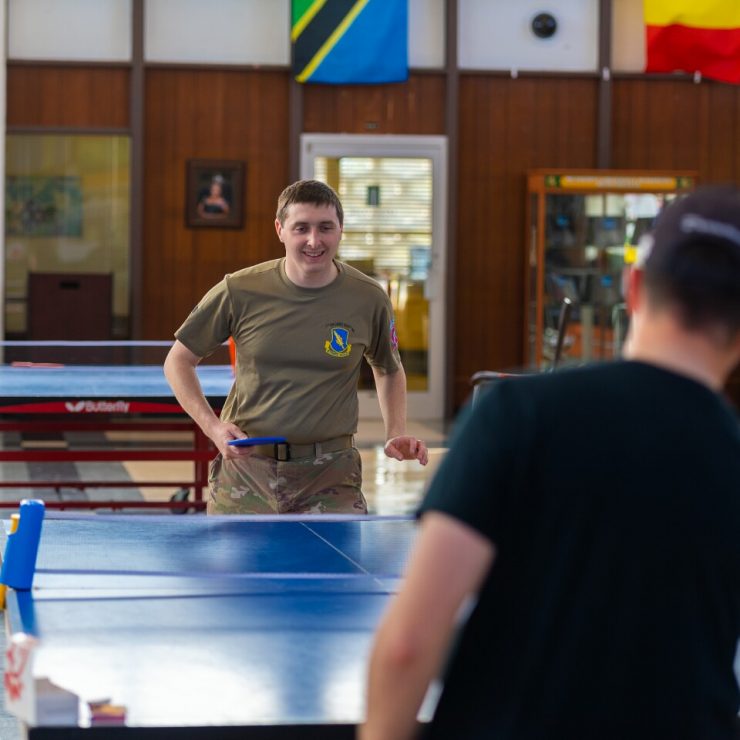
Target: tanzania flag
point(694, 36)
point(350, 41)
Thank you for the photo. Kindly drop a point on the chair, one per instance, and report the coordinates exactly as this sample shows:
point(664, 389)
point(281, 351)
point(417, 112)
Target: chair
point(483, 378)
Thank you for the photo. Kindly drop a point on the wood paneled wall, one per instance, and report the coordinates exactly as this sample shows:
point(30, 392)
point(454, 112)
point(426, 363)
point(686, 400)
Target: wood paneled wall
point(414, 107)
point(507, 126)
point(677, 124)
point(222, 114)
point(75, 97)
point(207, 114)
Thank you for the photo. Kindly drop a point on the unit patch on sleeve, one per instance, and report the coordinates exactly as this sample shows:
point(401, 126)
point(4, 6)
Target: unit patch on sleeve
point(338, 345)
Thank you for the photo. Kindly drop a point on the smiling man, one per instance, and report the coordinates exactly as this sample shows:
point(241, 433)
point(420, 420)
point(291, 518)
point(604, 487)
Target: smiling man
point(301, 326)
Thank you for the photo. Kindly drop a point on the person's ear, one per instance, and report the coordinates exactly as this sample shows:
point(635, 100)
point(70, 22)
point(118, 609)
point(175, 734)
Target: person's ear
point(635, 288)
point(736, 346)
point(279, 229)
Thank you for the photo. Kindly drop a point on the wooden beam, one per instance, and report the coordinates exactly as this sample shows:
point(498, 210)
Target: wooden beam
point(604, 110)
point(137, 170)
point(452, 99)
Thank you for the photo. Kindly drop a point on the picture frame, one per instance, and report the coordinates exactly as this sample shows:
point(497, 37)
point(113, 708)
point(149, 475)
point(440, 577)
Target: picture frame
point(43, 206)
point(215, 193)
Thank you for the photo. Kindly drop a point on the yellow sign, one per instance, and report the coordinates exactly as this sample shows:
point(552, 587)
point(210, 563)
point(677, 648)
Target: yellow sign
point(618, 182)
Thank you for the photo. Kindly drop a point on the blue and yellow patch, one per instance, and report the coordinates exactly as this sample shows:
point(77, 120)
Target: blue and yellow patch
point(338, 345)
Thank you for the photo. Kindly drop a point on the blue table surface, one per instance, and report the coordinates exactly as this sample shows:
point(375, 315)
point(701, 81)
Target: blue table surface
point(200, 620)
point(104, 381)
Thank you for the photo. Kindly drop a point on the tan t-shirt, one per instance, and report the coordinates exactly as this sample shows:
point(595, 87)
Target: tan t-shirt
point(298, 349)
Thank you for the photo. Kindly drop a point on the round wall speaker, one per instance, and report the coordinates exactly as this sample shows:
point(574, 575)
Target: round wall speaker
point(544, 25)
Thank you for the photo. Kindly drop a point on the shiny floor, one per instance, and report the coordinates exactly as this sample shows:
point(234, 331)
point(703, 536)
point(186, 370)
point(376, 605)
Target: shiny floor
point(391, 487)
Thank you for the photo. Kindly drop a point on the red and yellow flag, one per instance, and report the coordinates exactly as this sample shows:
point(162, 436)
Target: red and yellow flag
point(694, 36)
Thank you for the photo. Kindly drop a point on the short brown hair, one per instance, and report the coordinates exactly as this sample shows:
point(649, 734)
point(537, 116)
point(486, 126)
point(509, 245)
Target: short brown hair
point(692, 259)
point(308, 191)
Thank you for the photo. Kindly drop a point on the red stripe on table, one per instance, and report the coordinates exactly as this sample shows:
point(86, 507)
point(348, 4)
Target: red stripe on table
point(93, 406)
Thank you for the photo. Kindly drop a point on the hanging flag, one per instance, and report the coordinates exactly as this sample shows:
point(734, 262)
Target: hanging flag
point(694, 36)
point(350, 41)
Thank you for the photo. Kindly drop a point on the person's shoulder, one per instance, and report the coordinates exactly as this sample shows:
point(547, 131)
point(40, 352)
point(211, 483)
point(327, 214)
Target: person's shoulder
point(253, 273)
point(539, 402)
point(561, 383)
point(577, 374)
point(544, 378)
point(612, 384)
point(358, 278)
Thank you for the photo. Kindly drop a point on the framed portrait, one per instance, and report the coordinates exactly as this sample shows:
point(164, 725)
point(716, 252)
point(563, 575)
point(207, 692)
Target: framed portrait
point(215, 193)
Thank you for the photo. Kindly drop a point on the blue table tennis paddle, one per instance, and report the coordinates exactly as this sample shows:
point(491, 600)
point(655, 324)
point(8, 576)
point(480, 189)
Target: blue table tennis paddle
point(251, 441)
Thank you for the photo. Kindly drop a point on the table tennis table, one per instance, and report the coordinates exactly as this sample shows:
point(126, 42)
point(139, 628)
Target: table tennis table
point(260, 626)
point(89, 394)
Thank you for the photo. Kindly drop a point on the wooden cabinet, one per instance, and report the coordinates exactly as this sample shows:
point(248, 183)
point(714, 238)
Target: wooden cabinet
point(583, 227)
point(70, 305)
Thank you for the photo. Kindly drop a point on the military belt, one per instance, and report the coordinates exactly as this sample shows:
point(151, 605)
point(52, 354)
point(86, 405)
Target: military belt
point(285, 451)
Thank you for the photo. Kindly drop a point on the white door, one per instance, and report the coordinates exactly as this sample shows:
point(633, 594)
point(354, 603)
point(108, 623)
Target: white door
point(394, 193)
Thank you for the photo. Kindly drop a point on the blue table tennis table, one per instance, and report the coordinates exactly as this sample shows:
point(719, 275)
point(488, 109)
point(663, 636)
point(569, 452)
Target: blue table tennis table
point(58, 397)
point(259, 626)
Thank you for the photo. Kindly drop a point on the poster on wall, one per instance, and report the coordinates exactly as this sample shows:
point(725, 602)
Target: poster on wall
point(43, 206)
point(215, 193)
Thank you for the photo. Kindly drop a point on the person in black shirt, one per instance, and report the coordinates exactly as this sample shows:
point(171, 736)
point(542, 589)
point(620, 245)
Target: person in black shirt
point(588, 521)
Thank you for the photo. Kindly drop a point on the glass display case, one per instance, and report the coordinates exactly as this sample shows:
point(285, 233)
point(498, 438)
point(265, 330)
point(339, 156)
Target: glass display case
point(582, 230)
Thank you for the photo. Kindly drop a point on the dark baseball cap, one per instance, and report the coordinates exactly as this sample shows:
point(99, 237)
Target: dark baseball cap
point(708, 216)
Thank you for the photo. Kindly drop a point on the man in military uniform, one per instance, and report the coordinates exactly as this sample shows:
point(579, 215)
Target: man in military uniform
point(301, 325)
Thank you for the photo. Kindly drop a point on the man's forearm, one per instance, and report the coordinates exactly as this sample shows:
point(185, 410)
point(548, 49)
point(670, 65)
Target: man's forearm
point(391, 389)
point(397, 683)
point(448, 564)
point(183, 380)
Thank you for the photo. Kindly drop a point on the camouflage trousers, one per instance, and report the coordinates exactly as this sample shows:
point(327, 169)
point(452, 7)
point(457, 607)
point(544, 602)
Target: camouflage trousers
point(329, 483)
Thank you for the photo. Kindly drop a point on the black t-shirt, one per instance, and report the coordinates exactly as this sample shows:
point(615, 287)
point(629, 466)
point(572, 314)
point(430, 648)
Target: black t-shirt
point(612, 611)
